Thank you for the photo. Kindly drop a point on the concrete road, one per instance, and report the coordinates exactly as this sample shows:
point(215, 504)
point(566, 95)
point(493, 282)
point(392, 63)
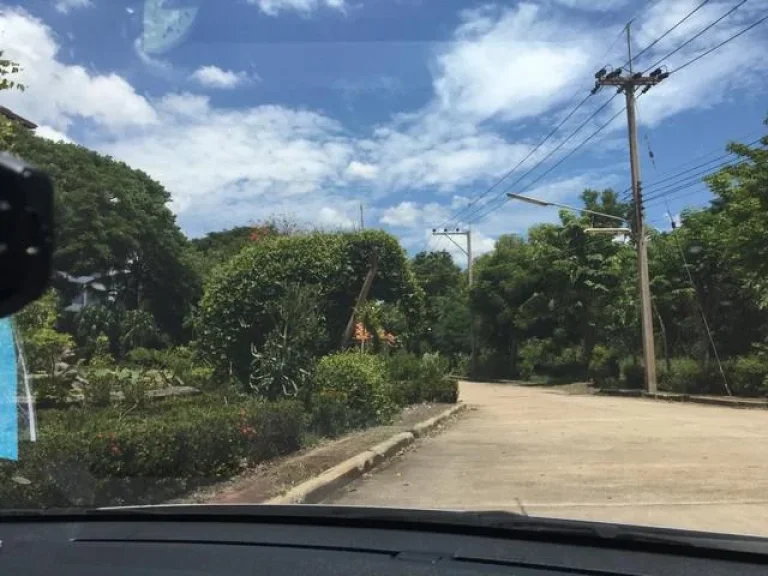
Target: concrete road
point(587, 457)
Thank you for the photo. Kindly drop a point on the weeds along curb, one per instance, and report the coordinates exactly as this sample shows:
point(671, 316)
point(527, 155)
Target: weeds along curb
point(322, 486)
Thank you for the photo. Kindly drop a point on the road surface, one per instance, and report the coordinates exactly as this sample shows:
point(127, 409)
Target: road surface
point(587, 457)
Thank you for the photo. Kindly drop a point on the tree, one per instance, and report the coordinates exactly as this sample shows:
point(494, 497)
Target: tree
point(8, 73)
point(446, 322)
point(743, 206)
point(113, 221)
point(234, 313)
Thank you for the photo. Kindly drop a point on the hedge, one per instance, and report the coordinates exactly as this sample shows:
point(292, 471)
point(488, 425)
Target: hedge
point(234, 312)
point(359, 382)
point(97, 458)
point(426, 379)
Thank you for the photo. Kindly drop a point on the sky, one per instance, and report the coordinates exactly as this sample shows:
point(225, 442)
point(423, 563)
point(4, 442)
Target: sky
point(308, 109)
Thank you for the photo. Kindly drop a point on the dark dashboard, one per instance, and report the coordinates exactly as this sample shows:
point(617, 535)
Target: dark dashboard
point(183, 544)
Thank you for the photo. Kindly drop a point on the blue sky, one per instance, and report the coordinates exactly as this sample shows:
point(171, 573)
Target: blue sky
point(307, 108)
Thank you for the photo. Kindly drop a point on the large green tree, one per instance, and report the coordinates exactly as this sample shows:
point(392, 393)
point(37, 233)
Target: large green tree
point(446, 320)
point(110, 217)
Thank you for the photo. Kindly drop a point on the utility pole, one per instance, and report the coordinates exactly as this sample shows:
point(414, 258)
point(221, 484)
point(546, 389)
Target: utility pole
point(629, 85)
point(362, 220)
point(449, 233)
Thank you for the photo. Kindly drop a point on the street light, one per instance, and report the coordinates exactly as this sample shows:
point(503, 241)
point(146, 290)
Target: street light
point(537, 202)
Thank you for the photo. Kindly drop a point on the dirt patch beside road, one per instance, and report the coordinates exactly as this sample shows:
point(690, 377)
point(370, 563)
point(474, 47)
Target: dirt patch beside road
point(277, 476)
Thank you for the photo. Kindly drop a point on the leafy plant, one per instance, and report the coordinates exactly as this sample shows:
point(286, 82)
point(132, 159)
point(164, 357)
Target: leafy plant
point(138, 330)
point(282, 366)
point(603, 366)
point(359, 381)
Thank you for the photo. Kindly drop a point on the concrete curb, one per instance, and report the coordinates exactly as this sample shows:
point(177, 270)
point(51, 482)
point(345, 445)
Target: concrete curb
point(320, 487)
point(673, 397)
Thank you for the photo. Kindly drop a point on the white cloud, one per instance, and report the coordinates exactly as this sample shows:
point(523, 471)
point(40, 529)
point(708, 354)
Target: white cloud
point(58, 93)
point(710, 81)
point(329, 217)
point(504, 69)
point(274, 7)
point(361, 170)
point(64, 6)
point(595, 5)
point(405, 214)
point(219, 162)
point(513, 64)
point(215, 77)
point(52, 134)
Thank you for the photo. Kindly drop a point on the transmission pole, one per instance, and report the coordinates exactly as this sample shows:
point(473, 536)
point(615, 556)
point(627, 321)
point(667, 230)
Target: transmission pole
point(629, 85)
point(449, 233)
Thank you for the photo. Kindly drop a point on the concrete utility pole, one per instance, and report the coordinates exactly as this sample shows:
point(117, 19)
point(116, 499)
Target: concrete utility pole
point(449, 233)
point(629, 85)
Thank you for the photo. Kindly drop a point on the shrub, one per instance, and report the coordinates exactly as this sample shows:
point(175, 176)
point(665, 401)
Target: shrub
point(436, 384)
point(114, 459)
point(415, 380)
point(98, 386)
point(531, 356)
point(329, 414)
point(632, 375)
point(567, 363)
point(359, 381)
point(404, 375)
point(603, 366)
point(747, 375)
point(235, 311)
point(138, 330)
point(686, 375)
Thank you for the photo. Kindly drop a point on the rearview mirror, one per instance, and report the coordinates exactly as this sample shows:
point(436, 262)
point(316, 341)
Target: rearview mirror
point(26, 233)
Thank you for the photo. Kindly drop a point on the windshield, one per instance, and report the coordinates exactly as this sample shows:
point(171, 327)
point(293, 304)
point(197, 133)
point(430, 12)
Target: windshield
point(518, 249)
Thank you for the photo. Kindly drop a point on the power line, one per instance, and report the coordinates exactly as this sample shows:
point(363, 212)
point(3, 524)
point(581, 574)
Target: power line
point(554, 166)
point(676, 175)
point(699, 306)
point(721, 44)
point(694, 179)
point(692, 38)
point(471, 216)
point(520, 163)
point(668, 32)
point(678, 196)
point(538, 146)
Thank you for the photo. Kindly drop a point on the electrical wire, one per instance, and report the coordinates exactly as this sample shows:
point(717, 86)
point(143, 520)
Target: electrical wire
point(627, 192)
point(693, 180)
point(667, 33)
point(553, 167)
point(700, 307)
point(458, 213)
point(721, 44)
point(658, 201)
point(520, 163)
point(471, 216)
point(692, 38)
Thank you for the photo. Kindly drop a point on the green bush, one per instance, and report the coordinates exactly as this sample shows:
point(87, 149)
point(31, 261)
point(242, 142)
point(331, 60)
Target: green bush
point(404, 375)
point(603, 366)
point(688, 376)
point(427, 379)
point(436, 383)
point(359, 380)
point(103, 457)
point(632, 376)
point(566, 363)
point(329, 414)
point(747, 375)
point(235, 311)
